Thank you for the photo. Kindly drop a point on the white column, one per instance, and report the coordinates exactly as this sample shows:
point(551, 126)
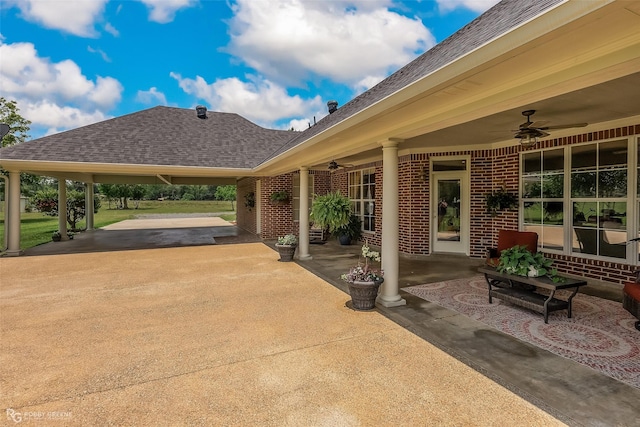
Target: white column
point(389, 296)
point(62, 208)
point(303, 239)
point(13, 228)
point(88, 205)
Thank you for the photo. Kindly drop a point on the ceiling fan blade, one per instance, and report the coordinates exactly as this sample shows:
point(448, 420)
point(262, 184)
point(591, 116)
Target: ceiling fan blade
point(538, 124)
point(568, 126)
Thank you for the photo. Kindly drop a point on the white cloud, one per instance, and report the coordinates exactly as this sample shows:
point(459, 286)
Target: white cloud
point(100, 52)
point(55, 95)
point(163, 11)
point(342, 40)
point(111, 30)
point(256, 99)
point(474, 5)
point(55, 118)
point(73, 16)
point(151, 97)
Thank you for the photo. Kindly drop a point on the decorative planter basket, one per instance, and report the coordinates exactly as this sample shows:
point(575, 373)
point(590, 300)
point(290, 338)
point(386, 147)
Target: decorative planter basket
point(364, 294)
point(286, 252)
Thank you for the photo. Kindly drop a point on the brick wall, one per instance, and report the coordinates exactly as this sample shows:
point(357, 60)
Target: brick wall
point(490, 170)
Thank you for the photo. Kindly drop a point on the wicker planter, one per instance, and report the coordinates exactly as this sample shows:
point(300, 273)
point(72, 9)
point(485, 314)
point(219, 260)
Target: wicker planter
point(286, 252)
point(364, 294)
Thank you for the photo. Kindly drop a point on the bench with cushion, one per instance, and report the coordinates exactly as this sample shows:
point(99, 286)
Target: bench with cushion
point(631, 298)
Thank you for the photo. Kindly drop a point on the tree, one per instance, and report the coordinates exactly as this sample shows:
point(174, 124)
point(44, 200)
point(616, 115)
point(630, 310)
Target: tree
point(228, 193)
point(46, 201)
point(19, 126)
point(18, 133)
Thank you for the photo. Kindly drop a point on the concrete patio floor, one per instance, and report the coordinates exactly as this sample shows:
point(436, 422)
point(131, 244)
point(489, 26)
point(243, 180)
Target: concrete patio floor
point(226, 335)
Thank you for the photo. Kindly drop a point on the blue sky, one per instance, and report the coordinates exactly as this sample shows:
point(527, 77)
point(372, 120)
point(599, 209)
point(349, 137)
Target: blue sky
point(70, 63)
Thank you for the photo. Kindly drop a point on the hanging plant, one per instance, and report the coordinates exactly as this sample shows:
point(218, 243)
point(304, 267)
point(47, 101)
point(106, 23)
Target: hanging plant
point(250, 200)
point(500, 200)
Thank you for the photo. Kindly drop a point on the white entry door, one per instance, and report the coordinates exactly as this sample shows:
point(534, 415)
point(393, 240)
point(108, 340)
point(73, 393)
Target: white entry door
point(450, 212)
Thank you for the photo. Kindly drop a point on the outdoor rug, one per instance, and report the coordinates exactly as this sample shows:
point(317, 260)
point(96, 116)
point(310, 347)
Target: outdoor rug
point(600, 335)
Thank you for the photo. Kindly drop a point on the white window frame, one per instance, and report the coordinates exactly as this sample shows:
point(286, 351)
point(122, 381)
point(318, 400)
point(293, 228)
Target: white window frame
point(361, 203)
point(632, 200)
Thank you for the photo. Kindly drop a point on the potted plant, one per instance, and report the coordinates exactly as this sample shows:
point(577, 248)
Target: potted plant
point(250, 200)
point(331, 211)
point(351, 231)
point(364, 281)
point(500, 200)
point(279, 197)
point(286, 246)
point(519, 261)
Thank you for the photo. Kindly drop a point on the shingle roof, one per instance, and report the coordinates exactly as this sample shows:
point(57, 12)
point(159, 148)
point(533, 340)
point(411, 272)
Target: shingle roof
point(159, 136)
point(498, 20)
point(172, 136)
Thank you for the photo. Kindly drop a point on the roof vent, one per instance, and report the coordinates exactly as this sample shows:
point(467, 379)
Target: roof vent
point(201, 110)
point(333, 106)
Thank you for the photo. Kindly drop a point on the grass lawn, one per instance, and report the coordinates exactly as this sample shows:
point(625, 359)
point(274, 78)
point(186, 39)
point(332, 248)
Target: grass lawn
point(36, 228)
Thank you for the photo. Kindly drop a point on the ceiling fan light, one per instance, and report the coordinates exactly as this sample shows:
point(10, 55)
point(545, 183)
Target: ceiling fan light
point(528, 140)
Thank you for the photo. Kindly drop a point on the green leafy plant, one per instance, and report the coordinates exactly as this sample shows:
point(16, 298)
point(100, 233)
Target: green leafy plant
point(279, 196)
point(519, 261)
point(353, 229)
point(331, 211)
point(289, 239)
point(250, 200)
point(500, 200)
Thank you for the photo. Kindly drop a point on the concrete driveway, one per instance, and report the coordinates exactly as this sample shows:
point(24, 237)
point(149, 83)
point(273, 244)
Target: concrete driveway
point(219, 335)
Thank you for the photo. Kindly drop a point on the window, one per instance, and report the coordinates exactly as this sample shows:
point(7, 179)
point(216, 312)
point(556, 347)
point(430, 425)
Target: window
point(296, 195)
point(578, 198)
point(543, 196)
point(599, 177)
point(362, 192)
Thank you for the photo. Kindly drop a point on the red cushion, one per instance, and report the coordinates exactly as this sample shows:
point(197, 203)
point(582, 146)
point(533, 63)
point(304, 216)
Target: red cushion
point(510, 238)
point(632, 289)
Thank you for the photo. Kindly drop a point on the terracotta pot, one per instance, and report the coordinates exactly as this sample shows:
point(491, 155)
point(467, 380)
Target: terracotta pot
point(364, 294)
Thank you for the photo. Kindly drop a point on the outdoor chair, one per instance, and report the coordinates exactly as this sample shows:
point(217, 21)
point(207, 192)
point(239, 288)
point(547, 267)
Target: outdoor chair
point(589, 238)
point(510, 238)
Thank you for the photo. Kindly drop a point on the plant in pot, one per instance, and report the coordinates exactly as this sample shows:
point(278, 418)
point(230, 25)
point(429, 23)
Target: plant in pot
point(364, 280)
point(279, 197)
point(500, 200)
point(351, 231)
point(331, 212)
point(519, 261)
point(286, 246)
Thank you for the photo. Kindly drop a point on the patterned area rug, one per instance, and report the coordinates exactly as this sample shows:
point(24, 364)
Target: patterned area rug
point(600, 335)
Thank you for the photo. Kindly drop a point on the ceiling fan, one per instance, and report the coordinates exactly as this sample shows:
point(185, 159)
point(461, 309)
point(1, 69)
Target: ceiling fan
point(529, 131)
point(333, 165)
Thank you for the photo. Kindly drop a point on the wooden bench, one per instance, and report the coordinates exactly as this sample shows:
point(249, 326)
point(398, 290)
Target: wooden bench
point(530, 299)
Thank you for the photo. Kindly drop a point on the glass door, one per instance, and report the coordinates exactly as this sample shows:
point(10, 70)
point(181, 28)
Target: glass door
point(450, 224)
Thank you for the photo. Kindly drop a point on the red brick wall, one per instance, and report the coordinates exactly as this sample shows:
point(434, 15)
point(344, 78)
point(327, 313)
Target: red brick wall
point(490, 170)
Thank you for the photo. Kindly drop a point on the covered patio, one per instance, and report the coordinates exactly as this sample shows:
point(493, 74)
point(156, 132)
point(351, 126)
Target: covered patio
point(573, 394)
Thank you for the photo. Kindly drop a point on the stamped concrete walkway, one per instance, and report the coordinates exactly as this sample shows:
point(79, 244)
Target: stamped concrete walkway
point(219, 335)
